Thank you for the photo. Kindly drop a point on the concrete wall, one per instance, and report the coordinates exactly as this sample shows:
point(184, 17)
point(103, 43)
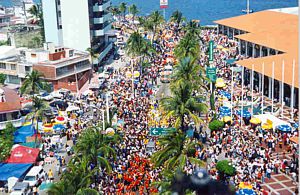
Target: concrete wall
point(52, 33)
point(75, 24)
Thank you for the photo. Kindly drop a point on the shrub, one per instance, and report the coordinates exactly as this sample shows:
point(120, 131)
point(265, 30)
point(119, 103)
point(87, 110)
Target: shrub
point(216, 125)
point(225, 168)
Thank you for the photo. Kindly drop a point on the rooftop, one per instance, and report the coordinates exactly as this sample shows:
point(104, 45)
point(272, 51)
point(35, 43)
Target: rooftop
point(276, 29)
point(11, 100)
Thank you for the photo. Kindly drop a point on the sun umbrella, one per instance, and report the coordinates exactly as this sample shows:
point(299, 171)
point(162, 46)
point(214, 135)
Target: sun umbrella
point(224, 109)
point(227, 119)
point(296, 125)
point(72, 108)
point(284, 128)
point(58, 127)
point(225, 94)
point(223, 114)
point(255, 121)
point(60, 119)
point(246, 192)
point(230, 61)
point(110, 131)
point(246, 113)
point(244, 185)
point(220, 83)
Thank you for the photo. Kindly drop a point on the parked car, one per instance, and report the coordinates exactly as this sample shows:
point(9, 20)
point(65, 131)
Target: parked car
point(46, 96)
point(21, 188)
point(34, 176)
point(116, 56)
point(56, 94)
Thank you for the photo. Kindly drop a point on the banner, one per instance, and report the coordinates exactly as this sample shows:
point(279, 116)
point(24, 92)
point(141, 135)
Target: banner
point(163, 4)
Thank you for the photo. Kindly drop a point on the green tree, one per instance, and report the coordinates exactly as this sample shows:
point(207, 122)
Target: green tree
point(177, 17)
point(33, 83)
point(187, 47)
point(93, 55)
point(225, 168)
point(134, 11)
point(155, 19)
point(86, 191)
point(186, 70)
point(114, 10)
point(216, 125)
point(6, 141)
point(193, 30)
point(36, 42)
point(2, 78)
point(182, 104)
point(39, 108)
point(34, 10)
point(97, 147)
point(123, 9)
point(174, 152)
point(135, 45)
point(76, 179)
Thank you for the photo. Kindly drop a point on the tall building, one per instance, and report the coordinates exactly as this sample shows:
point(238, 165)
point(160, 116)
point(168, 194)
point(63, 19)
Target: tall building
point(78, 24)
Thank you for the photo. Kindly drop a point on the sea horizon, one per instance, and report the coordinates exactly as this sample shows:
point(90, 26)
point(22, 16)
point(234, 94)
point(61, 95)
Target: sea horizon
point(206, 11)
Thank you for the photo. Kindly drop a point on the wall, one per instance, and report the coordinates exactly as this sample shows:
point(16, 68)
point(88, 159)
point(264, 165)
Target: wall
point(50, 22)
point(57, 56)
point(75, 24)
point(48, 71)
point(64, 82)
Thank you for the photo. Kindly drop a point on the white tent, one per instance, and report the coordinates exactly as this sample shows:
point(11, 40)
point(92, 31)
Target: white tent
point(72, 108)
point(276, 121)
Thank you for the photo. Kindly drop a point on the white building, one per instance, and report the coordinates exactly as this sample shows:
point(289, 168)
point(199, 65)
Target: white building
point(78, 24)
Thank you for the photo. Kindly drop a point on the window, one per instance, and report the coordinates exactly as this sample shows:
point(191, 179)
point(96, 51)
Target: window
point(3, 117)
point(33, 55)
point(27, 68)
point(13, 67)
point(2, 65)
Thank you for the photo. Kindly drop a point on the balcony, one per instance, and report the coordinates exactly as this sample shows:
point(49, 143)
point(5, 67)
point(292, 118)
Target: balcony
point(16, 123)
point(100, 8)
point(105, 51)
point(103, 31)
point(102, 19)
point(69, 71)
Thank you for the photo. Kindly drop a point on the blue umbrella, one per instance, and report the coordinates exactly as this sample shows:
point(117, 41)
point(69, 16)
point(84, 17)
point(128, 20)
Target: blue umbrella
point(230, 61)
point(225, 94)
point(284, 128)
point(246, 113)
point(224, 109)
point(222, 114)
point(246, 192)
point(296, 125)
point(58, 127)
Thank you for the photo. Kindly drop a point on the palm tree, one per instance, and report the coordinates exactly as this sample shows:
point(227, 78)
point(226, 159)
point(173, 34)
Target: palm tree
point(39, 108)
point(86, 191)
point(114, 10)
point(193, 30)
point(182, 104)
point(186, 70)
point(176, 152)
point(134, 11)
point(177, 17)
point(34, 83)
point(93, 55)
point(96, 146)
point(135, 45)
point(34, 10)
point(123, 8)
point(187, 47)
point(155, 19)
point(76, 179)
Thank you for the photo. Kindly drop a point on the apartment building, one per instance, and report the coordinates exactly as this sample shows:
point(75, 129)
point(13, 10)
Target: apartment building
point(78, 24)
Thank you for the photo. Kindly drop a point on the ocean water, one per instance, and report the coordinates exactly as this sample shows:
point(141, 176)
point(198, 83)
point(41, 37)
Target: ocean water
point(206, 11)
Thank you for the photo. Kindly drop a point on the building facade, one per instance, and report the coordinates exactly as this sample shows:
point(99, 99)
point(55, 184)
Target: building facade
point(269, 41)
point(62, 67)
point(10, 107)
point(79, 24)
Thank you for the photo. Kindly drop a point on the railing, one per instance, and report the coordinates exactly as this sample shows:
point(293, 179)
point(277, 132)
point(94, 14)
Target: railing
point(105, 51)
point(16, 123)
point(100, 8)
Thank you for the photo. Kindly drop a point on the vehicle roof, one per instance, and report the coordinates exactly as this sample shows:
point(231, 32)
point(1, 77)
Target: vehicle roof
point(34, 170)
point(20, 185)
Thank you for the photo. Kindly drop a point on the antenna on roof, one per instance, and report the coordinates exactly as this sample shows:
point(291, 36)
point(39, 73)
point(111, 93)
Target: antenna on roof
point(248, 10)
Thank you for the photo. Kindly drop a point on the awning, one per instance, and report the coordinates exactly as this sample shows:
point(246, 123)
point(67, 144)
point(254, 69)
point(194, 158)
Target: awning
point(22, 154)
point(12, 170)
